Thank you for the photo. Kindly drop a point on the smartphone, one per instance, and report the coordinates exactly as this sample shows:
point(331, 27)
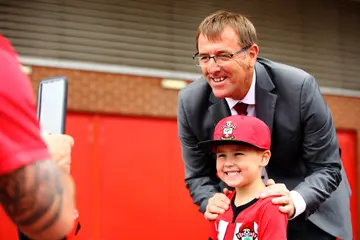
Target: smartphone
point(52, 104)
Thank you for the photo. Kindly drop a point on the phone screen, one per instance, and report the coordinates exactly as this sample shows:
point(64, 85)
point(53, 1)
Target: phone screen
point(52, 99)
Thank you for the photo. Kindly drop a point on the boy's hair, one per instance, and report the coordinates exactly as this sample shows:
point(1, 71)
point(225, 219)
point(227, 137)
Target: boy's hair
point(239, 129)
point(241, 144)
point(214, 24)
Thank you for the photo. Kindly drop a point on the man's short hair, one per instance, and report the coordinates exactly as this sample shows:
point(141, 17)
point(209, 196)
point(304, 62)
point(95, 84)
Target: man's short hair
point(213, 25)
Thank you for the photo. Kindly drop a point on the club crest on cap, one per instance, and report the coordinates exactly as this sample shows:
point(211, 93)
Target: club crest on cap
point(228, 131)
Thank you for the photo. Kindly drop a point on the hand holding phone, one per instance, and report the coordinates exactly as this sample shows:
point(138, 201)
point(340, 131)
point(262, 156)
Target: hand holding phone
point(51, 112)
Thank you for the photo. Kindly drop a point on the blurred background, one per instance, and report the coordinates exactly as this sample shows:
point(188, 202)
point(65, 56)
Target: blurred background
point(126, 61)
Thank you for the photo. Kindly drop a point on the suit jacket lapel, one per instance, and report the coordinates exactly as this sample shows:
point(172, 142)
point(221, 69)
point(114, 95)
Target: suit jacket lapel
point(265, 100)
point(219, 109)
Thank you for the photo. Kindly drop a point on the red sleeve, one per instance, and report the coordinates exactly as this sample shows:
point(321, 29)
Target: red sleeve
point(20, 140)
point(213, 231)
point(273, 223)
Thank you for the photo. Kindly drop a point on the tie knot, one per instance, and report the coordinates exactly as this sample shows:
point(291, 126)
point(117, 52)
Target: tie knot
point(241, 108)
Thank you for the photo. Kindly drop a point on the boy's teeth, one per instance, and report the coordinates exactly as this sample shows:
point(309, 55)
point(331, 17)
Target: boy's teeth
point(233, 173)
point(219, 79)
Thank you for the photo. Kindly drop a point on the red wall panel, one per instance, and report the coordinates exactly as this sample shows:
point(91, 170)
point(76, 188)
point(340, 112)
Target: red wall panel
point(143, 194)
point(81, 127)
point(347, 142)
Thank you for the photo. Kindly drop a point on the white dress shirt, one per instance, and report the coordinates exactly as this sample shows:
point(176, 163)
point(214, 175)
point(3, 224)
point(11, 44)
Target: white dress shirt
point(249, 99)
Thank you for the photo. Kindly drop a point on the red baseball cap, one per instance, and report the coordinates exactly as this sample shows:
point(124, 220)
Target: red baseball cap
point(239, 129)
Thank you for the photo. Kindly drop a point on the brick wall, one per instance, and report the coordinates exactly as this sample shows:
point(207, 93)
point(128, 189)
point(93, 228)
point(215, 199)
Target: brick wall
point(113, 93)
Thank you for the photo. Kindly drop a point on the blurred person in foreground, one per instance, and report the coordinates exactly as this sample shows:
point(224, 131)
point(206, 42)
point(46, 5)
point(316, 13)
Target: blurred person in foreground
point(305, 169)
point(36, 193)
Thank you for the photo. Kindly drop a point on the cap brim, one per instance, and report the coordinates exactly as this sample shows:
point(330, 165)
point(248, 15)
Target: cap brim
point(209, 145)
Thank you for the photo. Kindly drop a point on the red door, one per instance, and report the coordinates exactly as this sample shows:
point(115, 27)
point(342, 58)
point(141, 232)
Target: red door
point(142, 191)
point(347, 141)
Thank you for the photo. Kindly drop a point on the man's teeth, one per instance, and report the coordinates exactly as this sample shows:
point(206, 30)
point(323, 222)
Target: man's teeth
point(219, 79)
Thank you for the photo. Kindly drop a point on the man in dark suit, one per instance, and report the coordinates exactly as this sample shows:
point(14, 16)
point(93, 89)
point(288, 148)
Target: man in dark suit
point(305, 168)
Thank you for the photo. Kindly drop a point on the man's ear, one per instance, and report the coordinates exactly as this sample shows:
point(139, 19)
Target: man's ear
point(253, 52)
point(265, 158)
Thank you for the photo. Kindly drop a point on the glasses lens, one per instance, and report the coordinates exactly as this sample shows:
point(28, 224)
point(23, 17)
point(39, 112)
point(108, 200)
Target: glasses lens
point(223, 59)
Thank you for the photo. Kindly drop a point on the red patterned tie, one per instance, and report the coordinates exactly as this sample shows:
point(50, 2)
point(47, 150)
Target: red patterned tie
point(241, 108)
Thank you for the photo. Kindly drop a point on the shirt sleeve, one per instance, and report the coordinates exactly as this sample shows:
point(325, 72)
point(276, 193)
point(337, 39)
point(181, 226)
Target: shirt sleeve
point(273, 223)
point(299, 203)
point(20, 140)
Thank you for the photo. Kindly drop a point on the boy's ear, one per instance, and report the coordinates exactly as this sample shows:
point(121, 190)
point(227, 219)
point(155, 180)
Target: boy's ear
point(265, 158)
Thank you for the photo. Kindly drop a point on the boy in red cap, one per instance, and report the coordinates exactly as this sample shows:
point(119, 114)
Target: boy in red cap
point(242, 147)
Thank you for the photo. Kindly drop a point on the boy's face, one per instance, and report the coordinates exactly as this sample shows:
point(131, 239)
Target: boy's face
point(239, 165)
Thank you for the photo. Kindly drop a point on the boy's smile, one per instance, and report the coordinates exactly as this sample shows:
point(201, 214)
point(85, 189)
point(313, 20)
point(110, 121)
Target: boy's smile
point(232, 173)
point(238, 165)
point(233, 178)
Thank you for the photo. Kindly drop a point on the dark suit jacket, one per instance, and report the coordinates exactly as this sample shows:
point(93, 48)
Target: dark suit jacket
point(304, 150)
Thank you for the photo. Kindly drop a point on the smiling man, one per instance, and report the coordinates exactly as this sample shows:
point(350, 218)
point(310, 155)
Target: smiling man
point(310, 184)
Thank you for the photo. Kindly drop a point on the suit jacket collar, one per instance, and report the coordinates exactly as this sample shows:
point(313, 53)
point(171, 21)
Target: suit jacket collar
point(265, 99)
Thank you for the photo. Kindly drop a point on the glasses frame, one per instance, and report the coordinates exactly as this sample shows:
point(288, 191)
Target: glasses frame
point(214, 57)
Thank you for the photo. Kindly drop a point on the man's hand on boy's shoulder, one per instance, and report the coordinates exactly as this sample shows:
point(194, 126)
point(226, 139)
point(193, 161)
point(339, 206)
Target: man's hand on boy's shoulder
point(218, 204)
point(284, 197)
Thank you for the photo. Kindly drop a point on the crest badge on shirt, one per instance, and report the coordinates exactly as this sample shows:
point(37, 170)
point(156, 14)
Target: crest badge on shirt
point(247, 231)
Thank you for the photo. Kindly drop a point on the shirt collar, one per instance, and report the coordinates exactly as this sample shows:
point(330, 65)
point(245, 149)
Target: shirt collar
point(249, 97)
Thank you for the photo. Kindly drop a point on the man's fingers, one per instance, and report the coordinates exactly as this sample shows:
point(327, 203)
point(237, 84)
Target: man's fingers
point(273, 190)
point(226, 191)
point(218, 204)
point(276, 186)
point(285, 209)
point(269, 193)
point(210, 216)
point(216, 209)
point(219, 197)
point(59, 146)
point(68, 139)
point(71, 141)
point(270, 182)
point(288, 210)
point(222, 205)
point(283, 200)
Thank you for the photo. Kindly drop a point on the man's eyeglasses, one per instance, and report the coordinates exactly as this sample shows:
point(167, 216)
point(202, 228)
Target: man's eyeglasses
point(221, 59)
